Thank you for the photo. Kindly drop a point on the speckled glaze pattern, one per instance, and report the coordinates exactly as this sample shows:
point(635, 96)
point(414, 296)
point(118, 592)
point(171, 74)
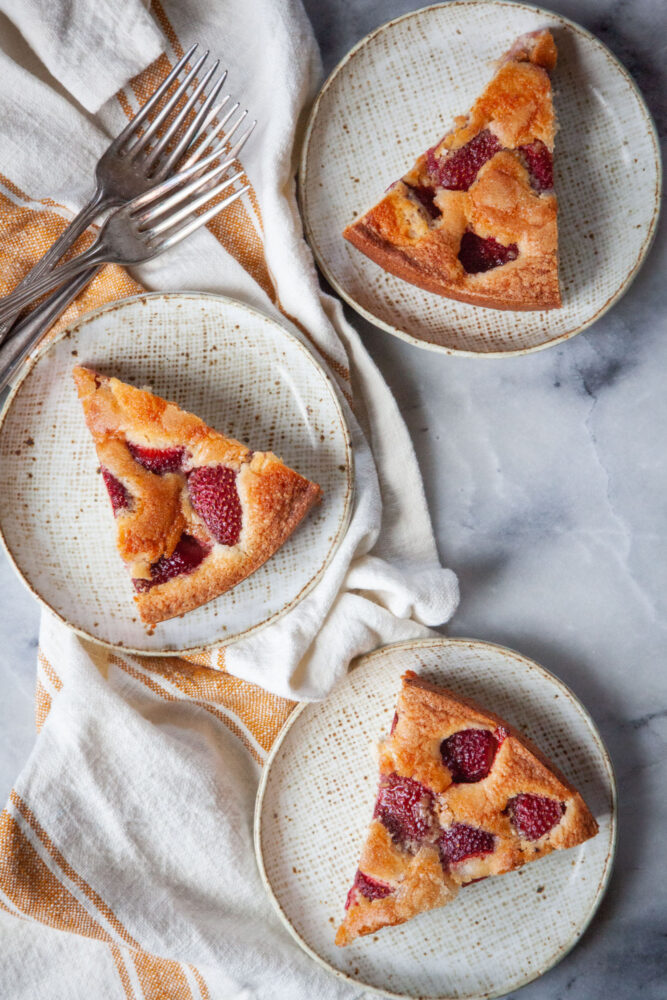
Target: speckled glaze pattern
point(316, 799)
point(244, 375)
point(396, 94)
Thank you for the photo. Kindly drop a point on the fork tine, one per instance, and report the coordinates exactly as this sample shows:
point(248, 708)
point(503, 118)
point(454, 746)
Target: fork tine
point(175, 124)
point(240, 143)
point(209, 139)
point(163, 205)
point(219, 151)
point(201, 220)
point(213, 113)
point(195, 127)
point(141, 143)
point(154, 200)
point(173, 218)
point(132, 125)
point(231, 155)
point(221, 148)
point(176, 180)
point(236, 125)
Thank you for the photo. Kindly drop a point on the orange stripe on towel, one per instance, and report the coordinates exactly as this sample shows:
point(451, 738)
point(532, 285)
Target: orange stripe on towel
point(49, 671)
point(26, 234)
point(203, 989)
point(35, 890)
point(117, 956)
point(161, 978)
point(42, 705)
point(260, 711)
point(65, 867)
point(168, 696)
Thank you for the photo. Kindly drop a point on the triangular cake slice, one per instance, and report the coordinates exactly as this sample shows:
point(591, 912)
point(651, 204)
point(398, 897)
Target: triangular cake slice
point(196, 512)
point(462, 795)
point(475, 217)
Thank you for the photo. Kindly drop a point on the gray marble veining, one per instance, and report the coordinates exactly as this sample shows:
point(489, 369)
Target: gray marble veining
point(547, 482)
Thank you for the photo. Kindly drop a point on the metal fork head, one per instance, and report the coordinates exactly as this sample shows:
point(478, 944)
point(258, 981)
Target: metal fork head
point(163, 217)
point(148, 150)
point(151, 223)
point(142, 155)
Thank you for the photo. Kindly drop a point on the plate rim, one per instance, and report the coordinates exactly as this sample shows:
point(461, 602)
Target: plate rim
point(435, 641)
point(460, 352)
point(344, 524)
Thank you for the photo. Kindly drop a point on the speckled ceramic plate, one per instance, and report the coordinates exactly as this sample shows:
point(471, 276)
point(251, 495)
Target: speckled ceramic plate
point(396, 93)
point(231, 365)
point(316, 798)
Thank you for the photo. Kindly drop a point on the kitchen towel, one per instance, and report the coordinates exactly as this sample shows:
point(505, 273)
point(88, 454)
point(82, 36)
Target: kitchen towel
point(126, 863)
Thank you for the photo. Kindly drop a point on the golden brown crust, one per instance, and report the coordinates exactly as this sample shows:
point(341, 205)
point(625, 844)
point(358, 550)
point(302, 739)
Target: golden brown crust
point(425, 716)
point(273, 498)
point(420, 885)
point(402, 237)
point(537, 47)
point(516, 104)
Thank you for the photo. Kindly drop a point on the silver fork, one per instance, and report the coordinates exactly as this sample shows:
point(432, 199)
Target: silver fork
point(136, 232)
point(47, 312)
point(146, 226)
point(128, 168)
point(27, 333)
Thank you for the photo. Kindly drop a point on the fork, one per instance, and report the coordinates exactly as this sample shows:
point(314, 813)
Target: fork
point(130, 167)
point(27, 333)
point(146, 226)
point(47, 313)
point(136, 232)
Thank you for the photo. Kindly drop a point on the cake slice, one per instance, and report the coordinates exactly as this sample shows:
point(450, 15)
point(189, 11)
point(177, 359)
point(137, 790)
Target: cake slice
point(462, 795)
point(196, 512)
point(475, 217)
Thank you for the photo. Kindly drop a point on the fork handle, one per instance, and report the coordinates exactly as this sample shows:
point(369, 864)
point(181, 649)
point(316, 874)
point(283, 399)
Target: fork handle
point(26, 334)
point(93, 256)
point(9, 307)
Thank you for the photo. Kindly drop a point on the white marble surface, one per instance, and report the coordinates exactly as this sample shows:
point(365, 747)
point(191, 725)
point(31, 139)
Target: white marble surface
point(548, 488)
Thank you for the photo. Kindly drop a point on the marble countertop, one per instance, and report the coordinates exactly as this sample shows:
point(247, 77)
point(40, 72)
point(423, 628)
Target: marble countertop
point(547, 484)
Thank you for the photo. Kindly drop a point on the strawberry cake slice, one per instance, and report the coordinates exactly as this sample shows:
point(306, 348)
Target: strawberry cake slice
point(462, 796)
point(475, 217)
point(196, 511)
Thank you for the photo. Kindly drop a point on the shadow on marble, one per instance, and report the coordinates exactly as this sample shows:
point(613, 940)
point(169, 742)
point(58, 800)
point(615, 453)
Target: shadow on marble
point(642, 58)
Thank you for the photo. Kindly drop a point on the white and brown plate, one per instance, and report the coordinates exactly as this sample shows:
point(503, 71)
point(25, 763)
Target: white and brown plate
point(240, 371)
point(396, 93)
point(316, 798)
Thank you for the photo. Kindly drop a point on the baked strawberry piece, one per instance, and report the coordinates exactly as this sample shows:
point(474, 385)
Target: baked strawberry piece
point(462, 796)
point(196, 512)
point(475, 217)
